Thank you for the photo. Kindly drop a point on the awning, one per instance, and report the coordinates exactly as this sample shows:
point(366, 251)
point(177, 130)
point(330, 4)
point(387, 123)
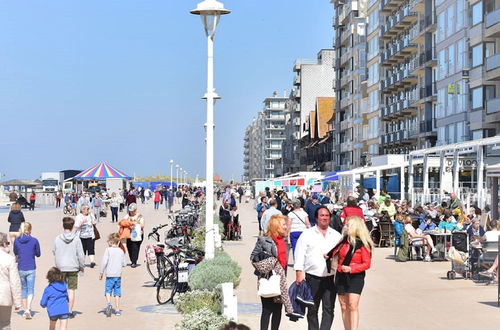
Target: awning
point(101, 171)
point(332, 176)
point(312, 144)
point(20, 183)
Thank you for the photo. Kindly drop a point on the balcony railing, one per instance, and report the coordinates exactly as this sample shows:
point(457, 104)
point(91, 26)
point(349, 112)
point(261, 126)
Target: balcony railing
point(492, 18)
point(493, 106)
point(493, 62)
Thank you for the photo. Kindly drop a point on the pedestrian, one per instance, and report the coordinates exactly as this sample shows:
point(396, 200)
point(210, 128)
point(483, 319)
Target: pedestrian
point(313, 244)
point(114, 204)
point(261, 208)
point(132, 232)
point(157, 199)
point(311, 207)
point(58, 199)
point(185, 199)
point(131, 197)
point(55, 298)
point(69, 258)
point(121, 196)
point(32, 201)
point(84, 226)
point(169, 200)
point(298, 221)
point(266, 216)
point(240, 193)
point(97, 207)
point(353, 259)
point(10, 285)
point(26, 248)
point(111, 267)
point(15, 218)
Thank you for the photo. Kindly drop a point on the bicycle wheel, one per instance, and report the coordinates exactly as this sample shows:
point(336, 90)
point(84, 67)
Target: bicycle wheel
point(165, 287)
point(153, 270)
point(65, 210)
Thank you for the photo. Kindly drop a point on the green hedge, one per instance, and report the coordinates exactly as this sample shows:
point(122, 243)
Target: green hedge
point(192, 301)
point(208, 274)
point(202, 319)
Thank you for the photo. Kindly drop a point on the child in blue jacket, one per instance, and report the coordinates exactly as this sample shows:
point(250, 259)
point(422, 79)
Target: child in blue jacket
point(55, 298)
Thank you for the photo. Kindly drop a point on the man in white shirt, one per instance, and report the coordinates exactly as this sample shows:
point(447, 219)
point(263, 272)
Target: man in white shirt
point(266, 216)
point(310, 263)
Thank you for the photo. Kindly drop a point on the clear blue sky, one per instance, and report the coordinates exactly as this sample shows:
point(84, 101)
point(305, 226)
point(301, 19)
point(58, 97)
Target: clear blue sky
point(122, 80)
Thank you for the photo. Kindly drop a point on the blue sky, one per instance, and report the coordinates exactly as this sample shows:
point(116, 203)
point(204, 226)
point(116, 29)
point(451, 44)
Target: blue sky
point(122, 80)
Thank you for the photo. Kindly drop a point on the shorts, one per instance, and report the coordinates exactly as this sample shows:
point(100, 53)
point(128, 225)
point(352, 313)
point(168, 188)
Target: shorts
point(27, 282)
point(113, 286)
point(349, 283)
point(88, 245)
point(417, 241)
point(71, 278)
point(59, 317)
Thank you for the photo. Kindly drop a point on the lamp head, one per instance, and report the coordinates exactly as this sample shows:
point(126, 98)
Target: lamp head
point(210, 12)
point(171, 161)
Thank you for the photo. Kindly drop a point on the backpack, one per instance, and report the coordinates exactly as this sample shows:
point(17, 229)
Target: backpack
point(404, 248)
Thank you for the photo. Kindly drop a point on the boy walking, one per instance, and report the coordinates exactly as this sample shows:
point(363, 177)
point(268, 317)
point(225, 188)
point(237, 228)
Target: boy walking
point(111, 267)
point(69, 257)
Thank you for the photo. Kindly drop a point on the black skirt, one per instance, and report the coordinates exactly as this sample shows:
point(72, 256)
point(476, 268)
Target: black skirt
point(349, 283)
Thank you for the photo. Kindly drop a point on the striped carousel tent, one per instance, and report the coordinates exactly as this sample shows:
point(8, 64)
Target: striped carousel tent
point(101, 171)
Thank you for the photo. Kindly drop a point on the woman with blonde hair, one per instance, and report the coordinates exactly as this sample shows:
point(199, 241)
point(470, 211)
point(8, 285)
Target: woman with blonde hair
point(269, 255)
point(15, 219)
point(26, 248)
point(354, 254)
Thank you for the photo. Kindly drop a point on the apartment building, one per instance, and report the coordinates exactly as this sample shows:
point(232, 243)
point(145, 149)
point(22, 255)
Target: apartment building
point(263, 158)
point(313, 78)
point(350, 85)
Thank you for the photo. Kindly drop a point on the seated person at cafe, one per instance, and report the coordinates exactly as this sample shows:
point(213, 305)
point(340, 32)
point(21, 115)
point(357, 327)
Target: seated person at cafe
point(388, 206)
point(492, 235)
point(419, 239)
point(475, 229)
point(449, 224)
point(426, 224)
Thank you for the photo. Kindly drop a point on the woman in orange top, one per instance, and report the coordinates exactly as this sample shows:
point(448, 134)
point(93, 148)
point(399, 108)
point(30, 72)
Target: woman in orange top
point(125, 232)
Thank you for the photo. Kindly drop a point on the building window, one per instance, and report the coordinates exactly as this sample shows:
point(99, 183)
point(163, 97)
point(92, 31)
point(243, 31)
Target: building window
point(450, 28)
point(477, 55)
point(477, 98)
point(489, 49)
point(477, 13)
point(476, 135)
point(489, 92)
point(460, 14)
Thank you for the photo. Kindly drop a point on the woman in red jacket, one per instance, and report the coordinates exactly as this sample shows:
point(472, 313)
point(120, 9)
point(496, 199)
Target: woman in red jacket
point(354, 258)
point(351, 210)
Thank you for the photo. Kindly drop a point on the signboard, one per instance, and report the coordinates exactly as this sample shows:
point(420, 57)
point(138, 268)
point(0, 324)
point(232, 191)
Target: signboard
point(463, 163)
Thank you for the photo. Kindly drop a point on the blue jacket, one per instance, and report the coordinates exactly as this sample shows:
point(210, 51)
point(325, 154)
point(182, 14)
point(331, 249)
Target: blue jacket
point(301, 297)
point(398, 230)
point(311, 212)
point(424, 226)
point(26, 248)
point(55, 298)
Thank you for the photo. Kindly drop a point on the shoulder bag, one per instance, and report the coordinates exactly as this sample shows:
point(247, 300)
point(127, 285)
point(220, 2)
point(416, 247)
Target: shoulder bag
point(269, 287)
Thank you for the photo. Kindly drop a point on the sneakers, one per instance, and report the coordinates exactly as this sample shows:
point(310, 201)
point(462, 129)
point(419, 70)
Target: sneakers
point(108, 310)
point(92, 264)
point(118, 313)
point(427, 258)
point(72, 315)
point(27, 315)
point(433, 250)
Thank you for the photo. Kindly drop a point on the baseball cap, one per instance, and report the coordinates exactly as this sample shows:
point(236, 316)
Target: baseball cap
point(132, 207)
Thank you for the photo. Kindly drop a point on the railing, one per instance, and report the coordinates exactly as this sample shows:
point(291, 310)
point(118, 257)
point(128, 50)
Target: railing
point(493, 106)
point(493, 62)
point(492, 18)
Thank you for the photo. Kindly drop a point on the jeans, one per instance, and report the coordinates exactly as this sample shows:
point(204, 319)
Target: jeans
point(294, 237)
point(114, 214)
point(32, 205)
point(270, 308)
point(27, 282)
point(323, 291)
point(157, 204)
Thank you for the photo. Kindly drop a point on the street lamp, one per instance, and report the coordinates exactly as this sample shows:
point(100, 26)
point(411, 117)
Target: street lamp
point(177, 169)
point(182, 180)
point(185, 177)
point(210, 12)
point(171, 170)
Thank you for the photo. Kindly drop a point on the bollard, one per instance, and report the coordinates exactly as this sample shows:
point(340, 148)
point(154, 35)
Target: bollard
point(217, 237)
point(229, 302)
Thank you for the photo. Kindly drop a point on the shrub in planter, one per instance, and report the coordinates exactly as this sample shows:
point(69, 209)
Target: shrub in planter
point(208, 274)
point(191, 301)
point(198, 240)
point(202, 319)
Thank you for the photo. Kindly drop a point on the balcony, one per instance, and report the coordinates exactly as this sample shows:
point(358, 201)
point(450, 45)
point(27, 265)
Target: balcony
point(492, 63)
point(296, 81)
point(275, 137)
point(493, 106)
point(344, 36)
point(400, 108)
point(389, 5)
point(346, 10)
point(275, 117)
point(346, 56)
point(397, 51)
point(492, 28)
point(427, 126)
point(275, 127)
point(398, 22)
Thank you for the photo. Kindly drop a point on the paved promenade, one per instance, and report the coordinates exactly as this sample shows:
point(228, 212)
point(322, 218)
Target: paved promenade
point(412, 295)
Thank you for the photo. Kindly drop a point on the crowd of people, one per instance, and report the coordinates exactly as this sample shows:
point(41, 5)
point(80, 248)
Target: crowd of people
point(19, 250)
point(325, 226)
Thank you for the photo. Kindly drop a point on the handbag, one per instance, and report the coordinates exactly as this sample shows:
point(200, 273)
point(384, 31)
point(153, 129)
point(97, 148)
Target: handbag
point(136, 234)
point(269, 287)
point(97, 235)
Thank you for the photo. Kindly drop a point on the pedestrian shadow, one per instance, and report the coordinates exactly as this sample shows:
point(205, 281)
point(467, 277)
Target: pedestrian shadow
point(490, 303)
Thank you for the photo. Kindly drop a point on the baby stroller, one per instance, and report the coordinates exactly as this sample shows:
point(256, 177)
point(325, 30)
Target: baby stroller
point(459, 256)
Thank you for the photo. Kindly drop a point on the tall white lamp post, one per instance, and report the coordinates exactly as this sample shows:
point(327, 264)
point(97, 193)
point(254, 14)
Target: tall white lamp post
point(182, 178)
point(177, 170)
point(171, 174)
point(210, 12)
